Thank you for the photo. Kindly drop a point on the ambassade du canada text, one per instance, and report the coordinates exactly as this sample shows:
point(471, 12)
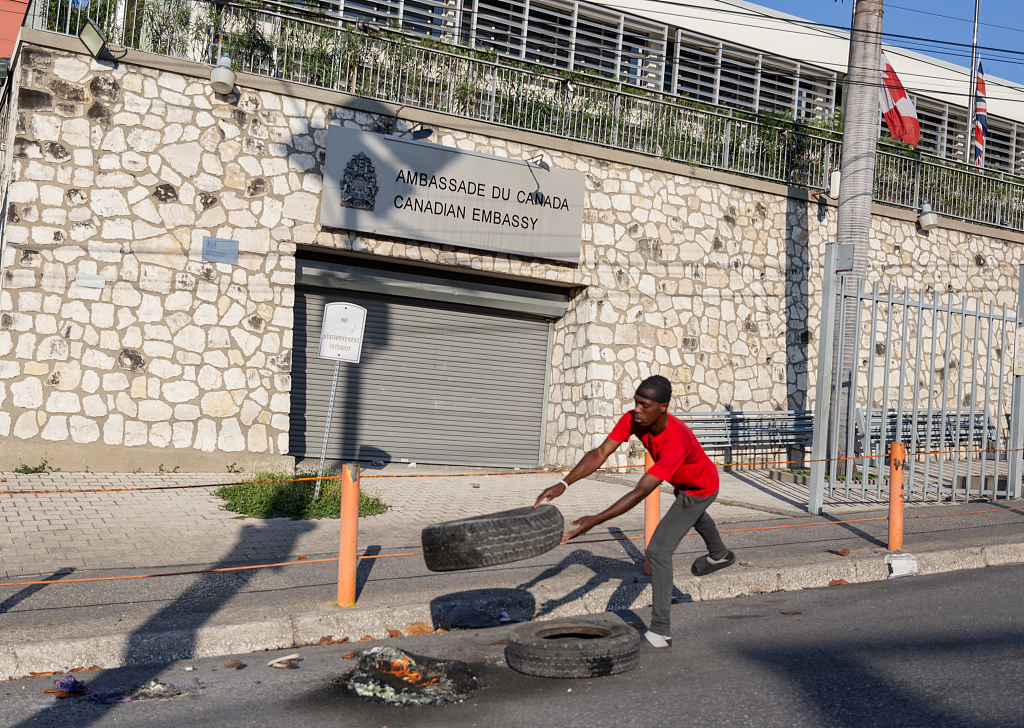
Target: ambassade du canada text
point(528, 201)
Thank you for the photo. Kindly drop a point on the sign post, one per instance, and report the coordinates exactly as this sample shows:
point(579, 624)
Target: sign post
point(341, 339)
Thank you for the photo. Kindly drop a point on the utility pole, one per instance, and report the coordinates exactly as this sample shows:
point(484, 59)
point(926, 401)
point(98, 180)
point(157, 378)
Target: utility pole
point(860, 135)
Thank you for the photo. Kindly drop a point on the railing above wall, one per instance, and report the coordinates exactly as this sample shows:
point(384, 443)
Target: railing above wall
point(448, 79)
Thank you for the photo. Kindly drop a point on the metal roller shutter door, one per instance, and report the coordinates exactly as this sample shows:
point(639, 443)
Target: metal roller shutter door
point(438, 383)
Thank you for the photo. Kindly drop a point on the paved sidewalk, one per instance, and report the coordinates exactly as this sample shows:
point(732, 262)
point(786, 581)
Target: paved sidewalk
point(68, 535)
point(41, 533)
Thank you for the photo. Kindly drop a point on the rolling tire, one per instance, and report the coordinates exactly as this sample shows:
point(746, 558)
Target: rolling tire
point(496, 538)
point(572, 647)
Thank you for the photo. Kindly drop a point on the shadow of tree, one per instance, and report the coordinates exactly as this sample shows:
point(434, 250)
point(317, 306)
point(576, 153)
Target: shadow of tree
point(172, 633)
point(857, 684)
point(12, 601)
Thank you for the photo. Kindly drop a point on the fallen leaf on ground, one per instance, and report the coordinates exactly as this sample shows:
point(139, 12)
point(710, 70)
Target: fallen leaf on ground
point(236, 664)
point(395, 633)
point(349, 656)
point(841, 552)
point(301, 558)
point(325, 640)
point(418, 628)
point(440, 630)
point(837, 582)
point(93, 668)
point(38, 674)
point(501, 642)
point(790, 614)
point(366, 638)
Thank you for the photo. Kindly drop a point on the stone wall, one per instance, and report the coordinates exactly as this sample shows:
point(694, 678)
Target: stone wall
point(120, 170)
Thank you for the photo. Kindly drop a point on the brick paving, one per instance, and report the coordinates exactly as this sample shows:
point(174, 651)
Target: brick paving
point(42, 533)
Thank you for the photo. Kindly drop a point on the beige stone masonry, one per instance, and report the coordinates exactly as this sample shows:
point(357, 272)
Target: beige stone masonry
point(120, 170)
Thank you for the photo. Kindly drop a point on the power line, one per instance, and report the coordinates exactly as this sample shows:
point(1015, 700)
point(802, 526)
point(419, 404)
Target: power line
point(952, 17)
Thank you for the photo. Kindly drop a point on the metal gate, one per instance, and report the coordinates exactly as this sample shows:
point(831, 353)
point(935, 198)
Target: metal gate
point(932, 371)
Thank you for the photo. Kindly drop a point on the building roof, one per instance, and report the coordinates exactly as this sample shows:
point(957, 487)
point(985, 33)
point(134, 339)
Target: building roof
point(768, 30)
point(12, 13)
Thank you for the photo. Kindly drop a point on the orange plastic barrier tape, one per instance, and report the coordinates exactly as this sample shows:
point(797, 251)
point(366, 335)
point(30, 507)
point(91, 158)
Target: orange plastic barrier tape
point(420, 553)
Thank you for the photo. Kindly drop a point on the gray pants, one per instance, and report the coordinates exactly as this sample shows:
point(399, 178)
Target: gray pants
point(685, 513)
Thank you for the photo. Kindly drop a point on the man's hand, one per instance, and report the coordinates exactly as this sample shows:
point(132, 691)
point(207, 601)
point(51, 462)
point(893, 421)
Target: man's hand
point(550, 494)
point(582, 526)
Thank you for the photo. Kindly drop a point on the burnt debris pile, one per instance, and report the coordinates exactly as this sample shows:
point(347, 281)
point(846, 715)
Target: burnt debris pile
point(393, 676)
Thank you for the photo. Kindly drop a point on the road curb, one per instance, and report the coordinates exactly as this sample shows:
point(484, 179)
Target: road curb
point(129, 648)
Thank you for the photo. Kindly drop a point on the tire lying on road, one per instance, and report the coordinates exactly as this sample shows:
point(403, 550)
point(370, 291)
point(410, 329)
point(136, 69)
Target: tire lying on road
point(573, 647)
point(496, 538)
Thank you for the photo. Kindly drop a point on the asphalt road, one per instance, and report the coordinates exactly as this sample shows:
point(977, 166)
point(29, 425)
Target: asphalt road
point(76, 610)
point(932, 651)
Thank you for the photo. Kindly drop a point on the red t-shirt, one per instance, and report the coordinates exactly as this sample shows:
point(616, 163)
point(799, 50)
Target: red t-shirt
point(678, 457)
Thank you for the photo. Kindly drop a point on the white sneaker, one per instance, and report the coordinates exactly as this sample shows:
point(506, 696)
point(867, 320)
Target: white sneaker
point(656, 640)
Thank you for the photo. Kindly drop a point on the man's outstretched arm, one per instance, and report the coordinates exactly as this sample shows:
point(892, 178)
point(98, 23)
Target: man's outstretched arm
point(643, 489)
point(586, 466)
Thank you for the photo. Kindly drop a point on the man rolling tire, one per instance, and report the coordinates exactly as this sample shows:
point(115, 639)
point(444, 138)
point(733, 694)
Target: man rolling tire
point(679, 459)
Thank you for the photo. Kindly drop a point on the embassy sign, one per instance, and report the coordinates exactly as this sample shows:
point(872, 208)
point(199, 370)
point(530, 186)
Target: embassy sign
point(409, 189)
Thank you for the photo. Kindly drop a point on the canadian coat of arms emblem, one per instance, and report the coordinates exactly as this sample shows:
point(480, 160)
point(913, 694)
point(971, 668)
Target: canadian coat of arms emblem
point(359, 185)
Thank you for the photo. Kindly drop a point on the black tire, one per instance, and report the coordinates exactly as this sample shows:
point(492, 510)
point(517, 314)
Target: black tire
point(573, 647)
point(496, 538)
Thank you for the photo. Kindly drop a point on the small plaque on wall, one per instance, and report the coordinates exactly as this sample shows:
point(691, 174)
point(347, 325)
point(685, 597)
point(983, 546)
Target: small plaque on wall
point(219, 250)
point(89, 280)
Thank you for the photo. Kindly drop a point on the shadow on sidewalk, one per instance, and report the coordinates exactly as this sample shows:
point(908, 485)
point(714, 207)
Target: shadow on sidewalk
point(773, 492)
point(364, 567)
point(12, 601)
point(606, 570)
point(151, 648)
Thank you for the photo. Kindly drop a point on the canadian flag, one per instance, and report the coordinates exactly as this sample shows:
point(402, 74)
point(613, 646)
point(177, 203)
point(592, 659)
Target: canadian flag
point(980, 118)
point(897, 108)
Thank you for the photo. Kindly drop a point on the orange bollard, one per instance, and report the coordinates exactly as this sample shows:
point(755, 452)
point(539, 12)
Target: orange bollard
point(349, 535)
point(897, 462)
point(652, 512)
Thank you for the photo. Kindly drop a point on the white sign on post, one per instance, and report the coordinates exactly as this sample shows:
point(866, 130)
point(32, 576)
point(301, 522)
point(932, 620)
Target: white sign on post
point(341, 333)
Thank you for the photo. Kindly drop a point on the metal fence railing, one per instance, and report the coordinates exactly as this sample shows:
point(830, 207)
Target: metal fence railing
point(304, 45)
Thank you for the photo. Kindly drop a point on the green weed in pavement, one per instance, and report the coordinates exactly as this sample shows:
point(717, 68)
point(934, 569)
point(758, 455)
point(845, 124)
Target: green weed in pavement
point(42, 467)
point(278, 495)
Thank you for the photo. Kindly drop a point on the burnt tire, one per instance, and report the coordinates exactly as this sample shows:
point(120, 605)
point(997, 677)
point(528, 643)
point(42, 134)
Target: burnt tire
point(496, 538)
point(573, 647)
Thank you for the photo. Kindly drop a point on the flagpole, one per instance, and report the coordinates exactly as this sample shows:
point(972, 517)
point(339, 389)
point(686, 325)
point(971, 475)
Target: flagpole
point(972, 110)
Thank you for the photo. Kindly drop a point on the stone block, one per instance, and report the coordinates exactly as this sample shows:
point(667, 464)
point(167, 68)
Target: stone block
point(27, 394)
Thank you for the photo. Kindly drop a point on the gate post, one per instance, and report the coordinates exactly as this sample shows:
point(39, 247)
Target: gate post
point(822, 396)
point(1015, 458)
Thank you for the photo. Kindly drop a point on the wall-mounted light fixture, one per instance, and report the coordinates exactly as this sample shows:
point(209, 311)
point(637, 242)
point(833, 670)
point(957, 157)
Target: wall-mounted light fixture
point(94, 40)
point(222, 78)
point(539, 161)
point(928, 220)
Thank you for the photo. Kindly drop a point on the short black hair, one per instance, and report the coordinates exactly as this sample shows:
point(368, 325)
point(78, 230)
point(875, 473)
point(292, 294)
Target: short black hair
point(657, 388)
